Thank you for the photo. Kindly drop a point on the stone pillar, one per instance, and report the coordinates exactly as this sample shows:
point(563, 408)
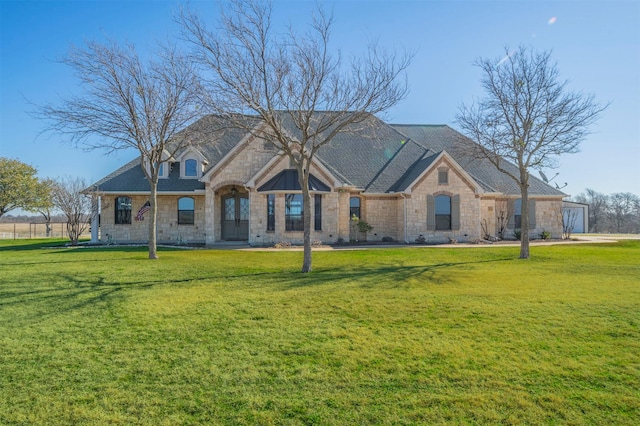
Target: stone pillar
point(209, 216)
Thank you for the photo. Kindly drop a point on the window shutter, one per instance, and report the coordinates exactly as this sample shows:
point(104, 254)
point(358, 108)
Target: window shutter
point(532, 214)
point(455, 213)
point(512, 219)
point(431, 213)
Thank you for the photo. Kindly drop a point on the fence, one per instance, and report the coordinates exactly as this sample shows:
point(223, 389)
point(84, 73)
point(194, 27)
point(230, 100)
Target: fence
point(14, 231)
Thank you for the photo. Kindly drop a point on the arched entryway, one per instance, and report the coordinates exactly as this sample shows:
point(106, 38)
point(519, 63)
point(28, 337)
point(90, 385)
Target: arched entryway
point(235, 215)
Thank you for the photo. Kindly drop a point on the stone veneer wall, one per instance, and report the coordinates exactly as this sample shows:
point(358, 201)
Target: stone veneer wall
point(548, 217)
point(259, 235)
point(416, 208)
point(238, 169)
point(167, 221)
point(381, 213)
point(488, 216)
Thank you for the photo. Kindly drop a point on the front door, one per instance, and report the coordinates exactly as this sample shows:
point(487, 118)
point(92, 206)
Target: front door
point(235, 217)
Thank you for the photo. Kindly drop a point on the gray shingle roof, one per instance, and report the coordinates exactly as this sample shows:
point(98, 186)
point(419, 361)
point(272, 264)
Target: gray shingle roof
point(131, 178)
point(444, 138)
point(372, 155)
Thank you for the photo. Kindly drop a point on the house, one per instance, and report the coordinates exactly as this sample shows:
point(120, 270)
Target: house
point(408, 181)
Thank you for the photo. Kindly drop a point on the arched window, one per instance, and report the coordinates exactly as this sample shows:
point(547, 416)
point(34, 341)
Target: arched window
point(354, 207)
point(186, 207)
point(191, 168)
point(123, 211)
point(443, 213)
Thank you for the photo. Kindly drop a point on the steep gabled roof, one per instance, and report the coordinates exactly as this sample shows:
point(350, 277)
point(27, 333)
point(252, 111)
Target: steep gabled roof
point(370, 155)
point(131, 178)
point(444, 138)
point(287, 180)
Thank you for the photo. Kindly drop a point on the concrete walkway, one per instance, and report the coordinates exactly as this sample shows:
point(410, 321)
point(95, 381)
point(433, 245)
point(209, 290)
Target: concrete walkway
point(575, 239)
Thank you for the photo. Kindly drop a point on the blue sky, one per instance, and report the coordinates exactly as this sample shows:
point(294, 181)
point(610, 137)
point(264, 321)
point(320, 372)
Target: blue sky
point(596, 46)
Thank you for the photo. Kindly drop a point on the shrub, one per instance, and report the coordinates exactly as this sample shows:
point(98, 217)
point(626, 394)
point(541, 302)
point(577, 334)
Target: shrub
point(545, 235)
point(421, 239)
point(282, 244)
point(364, 227)
point(517, 234)
point(387, 239)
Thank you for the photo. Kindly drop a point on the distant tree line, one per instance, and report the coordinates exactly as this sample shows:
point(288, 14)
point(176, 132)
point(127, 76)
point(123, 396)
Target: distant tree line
point(617, 213)
point(32, 218)
point(21, 189)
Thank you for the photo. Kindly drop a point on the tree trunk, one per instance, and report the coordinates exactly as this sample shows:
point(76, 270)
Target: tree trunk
point(153, 213)
point(306, 215)
point(524, 219)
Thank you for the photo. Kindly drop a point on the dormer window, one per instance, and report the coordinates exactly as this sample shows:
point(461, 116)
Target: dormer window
point(163, 170)
point(191, 168)
point(192, 164)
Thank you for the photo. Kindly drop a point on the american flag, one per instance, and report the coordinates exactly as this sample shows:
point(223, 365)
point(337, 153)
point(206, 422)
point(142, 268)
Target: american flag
point(145, 208)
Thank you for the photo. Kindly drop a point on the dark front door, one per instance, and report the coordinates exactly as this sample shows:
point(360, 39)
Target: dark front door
point(235, 217)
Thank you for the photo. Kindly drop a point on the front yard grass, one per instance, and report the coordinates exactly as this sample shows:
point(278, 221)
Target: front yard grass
point(384, 336)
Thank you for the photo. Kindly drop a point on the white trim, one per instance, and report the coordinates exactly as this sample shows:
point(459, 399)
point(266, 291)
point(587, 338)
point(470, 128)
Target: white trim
point(191, 150)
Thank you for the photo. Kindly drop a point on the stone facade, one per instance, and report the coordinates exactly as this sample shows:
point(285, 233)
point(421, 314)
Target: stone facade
point(401, 216)
point(168, 229)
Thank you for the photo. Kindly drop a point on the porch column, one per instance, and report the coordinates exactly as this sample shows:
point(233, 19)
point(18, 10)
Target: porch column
point(95, 218)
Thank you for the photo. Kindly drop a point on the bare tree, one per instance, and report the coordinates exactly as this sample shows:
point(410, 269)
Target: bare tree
point(622, 206)
point(292, 82)
point(127, 103)
point(598, 208)
point(527, 118)
point(67, 194)
point(569, 218)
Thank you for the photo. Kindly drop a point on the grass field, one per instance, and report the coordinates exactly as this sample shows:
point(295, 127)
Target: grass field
point(21, 230)
point(384, 336)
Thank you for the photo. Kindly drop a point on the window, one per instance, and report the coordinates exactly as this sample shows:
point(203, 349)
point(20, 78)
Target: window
point(191, 168)
point(354, 207)
point(186, 207)
point(517, 214)
point(271, 212)
point(317, 213)
point(123, 211)
point(443, 213)
point(161, 170)
point(269, 147)
point(515, 222)
point(443, 177)
point(293, 212)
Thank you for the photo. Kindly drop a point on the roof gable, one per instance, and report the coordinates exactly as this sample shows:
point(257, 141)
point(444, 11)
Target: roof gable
point(287, 180)
point(370, 155)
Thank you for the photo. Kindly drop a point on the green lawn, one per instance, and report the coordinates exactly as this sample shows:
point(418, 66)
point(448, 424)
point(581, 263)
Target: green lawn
point(384, 336)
